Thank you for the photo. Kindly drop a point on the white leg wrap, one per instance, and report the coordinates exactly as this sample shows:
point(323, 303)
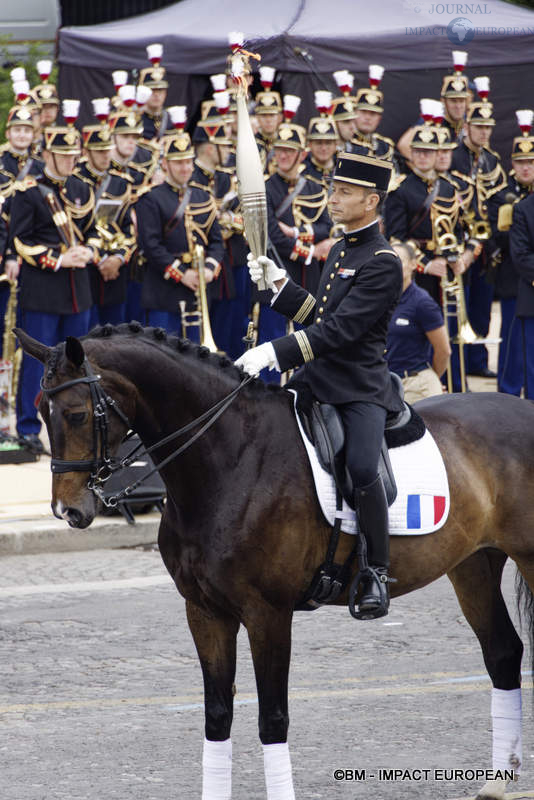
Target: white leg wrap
point(507, 742)
point(217, 770)
point(278, 777)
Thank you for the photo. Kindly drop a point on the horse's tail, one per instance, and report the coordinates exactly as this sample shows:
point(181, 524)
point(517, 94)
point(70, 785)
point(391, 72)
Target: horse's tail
point(525, 608)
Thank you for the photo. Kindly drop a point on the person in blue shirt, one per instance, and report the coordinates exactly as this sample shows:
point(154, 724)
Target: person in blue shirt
point(418, 348)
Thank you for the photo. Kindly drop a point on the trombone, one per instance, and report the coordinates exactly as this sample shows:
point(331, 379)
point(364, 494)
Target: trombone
point(453, 295)
point(199, 317)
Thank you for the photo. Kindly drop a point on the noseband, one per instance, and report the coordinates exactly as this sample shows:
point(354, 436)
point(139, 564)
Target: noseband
point(101, 403)
point(101, 466)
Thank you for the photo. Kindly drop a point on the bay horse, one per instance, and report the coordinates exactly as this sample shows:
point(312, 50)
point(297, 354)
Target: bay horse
point(242, 533)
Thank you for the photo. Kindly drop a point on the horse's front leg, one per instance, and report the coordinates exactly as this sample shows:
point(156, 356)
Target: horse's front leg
point(269, 632)
point(215, 640)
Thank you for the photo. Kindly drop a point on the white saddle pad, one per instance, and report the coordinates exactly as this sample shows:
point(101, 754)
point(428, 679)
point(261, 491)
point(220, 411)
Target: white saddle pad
point(423, 499)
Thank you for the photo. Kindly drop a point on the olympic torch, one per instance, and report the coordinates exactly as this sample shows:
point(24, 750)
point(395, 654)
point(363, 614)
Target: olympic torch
point(250, 180)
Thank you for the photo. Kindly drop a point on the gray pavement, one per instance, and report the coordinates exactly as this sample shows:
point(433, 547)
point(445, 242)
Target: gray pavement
point(101, 691)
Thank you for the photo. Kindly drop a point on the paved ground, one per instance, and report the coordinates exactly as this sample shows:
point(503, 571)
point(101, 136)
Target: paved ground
point(101, 695)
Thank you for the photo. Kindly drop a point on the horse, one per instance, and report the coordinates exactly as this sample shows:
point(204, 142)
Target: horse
point(242, 533)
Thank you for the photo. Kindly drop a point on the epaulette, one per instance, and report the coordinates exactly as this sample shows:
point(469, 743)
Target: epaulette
point(313, 179)
point(83, 178)
point(26, 183)
point(226, 170)
point(123, 175)
point(204, 188)
point(385, 139)
point(463, 176)
point(396, 181)
point(387, 252)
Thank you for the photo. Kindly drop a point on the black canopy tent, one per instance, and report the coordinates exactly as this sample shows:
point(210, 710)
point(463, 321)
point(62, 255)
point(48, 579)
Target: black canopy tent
point(306, 40)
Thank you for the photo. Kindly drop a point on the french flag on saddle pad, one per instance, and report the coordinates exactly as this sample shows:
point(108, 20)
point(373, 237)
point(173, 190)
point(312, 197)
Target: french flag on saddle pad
point(424, 510)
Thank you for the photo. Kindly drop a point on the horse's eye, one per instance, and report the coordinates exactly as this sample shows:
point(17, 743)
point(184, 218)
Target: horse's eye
point(76, 417)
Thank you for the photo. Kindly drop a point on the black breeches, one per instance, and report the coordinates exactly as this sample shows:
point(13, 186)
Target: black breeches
point(364, 425)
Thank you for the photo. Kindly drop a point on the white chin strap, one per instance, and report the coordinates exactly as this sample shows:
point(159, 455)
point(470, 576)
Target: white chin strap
point(217, 770)
point(506, 716)
point(278, 777)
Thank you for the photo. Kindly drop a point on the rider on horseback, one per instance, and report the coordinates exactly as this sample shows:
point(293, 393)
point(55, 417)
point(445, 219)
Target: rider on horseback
point(343, 346)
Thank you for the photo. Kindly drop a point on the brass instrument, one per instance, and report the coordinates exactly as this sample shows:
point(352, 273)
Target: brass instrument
point(453, 294)
point(199, 317)
point(11, 354)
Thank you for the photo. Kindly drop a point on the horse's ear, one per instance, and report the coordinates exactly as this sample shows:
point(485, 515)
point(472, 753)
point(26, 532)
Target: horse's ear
point(74, 351)
point(32, 346)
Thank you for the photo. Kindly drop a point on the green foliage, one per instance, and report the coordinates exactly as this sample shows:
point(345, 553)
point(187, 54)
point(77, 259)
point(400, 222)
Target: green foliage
point(34, 53)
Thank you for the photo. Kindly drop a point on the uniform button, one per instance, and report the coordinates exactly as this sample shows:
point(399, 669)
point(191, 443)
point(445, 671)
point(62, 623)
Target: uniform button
point(321, 310)
point(336, 264)
point(332, 275)
point(325, 298)
point(342, 253)
point(318, 319)
point(328, 287)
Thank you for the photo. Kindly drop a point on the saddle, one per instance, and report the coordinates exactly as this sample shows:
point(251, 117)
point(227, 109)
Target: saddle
point(323, 425)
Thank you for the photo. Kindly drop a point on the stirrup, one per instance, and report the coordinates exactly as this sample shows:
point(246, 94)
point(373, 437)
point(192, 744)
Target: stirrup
point(382, 582)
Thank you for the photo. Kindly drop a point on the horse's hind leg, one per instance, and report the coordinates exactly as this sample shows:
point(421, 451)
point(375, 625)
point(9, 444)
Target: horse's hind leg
point(269, 632)
point(215, 640)
point(477, 583)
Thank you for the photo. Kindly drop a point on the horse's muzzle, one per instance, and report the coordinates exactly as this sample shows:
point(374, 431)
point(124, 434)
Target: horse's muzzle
point(76, 517)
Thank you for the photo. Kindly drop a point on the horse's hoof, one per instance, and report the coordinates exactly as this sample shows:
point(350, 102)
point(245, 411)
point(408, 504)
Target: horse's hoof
point(492, 790)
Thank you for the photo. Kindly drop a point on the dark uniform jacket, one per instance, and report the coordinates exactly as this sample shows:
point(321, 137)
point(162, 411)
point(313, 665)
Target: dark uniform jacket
point(116, 238)
point(372, 144)
point(164, 240)
point(506, 276)
point(231, 224)
point(317, 172)
point(11, 166)
point(153, 123)
point(343, 344)
point(522, 252)
point(38, 242)
point(308, 212)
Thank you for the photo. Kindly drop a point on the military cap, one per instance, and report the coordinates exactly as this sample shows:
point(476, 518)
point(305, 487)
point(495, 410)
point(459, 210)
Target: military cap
point(19, 115)
point(445, 139)
point(125, 122)
point(268, 103)
point(523, 146)
point(343, 108)
point(290, 135)
point(480, 114)
point(455, 86)
point(370, 100)
point(46, 94)
point(178, 146)
point(97, 137)
point(215, 134)
point(425, 137)
point(321, 128)
point(63, 139)
point(153, 77)
point(363, 171)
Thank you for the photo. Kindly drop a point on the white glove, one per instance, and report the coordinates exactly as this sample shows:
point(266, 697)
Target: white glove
point(263, 267)
point(256, 359)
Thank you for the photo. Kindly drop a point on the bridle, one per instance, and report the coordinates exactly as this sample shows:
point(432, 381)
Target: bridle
point(101, 467)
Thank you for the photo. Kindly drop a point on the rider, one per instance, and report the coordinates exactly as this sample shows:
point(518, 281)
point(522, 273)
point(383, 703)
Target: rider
point(343, 345)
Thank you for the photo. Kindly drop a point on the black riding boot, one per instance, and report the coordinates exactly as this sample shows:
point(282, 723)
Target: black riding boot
point(372, 509)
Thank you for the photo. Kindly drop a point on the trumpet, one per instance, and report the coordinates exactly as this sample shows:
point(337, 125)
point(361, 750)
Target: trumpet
point(11, 354)
point(199, 317)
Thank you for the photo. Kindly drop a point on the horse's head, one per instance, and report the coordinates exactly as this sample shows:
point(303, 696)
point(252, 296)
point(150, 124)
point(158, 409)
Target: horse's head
point(83, 427)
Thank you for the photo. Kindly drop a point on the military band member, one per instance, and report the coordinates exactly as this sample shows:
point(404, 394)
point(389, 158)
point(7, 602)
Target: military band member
point(455, 98)
point(109, 277)
point(344, 115)
point(155, 119)
point(522, 254)
point(511, 376)
point(53, 233)
point(268, 111)
point(47, 97)
point(474, 162)
point(299, 223)
point(323, 142)
point(172, 218)
point(342, 346)
point(369, 111)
